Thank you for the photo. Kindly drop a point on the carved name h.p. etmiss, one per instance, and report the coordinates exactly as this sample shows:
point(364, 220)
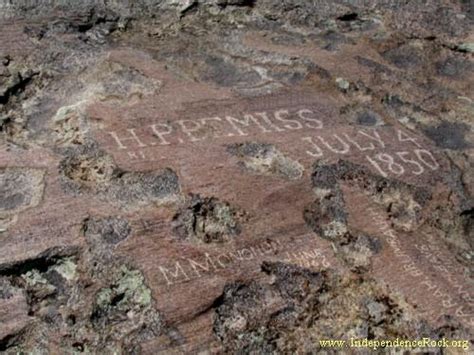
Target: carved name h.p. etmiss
point(388, 150)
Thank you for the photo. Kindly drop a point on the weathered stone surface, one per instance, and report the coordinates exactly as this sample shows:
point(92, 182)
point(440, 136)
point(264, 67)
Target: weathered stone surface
point(234, 176)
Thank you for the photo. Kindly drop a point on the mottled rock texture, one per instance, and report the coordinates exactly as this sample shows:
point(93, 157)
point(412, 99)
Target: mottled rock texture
point(235, 176)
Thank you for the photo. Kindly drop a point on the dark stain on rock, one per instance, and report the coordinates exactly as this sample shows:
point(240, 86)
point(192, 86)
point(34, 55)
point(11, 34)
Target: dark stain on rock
point(449, 135)
point(403, 57)
point(326, 215)
point(227, 74)
point(111, 230)
point(333, 40)
point(375, 66)
point(12, 201)
point(96, 172)
point(453, 67)
point(393, 101)
point(329, 176)
point(288, 39)
point(368, 118)
point(141, 188)
point(20, 188)
point(467, 221)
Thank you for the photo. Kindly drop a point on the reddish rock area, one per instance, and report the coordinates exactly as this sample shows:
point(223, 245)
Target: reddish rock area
point(235, 176)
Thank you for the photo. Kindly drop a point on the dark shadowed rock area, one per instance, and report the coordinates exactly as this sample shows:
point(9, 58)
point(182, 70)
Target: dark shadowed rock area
point(236, 176)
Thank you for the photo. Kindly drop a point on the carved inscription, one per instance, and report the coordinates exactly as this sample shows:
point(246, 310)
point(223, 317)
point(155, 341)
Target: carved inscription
point(186, 131)
point(189, 269)
point(304, 135)
point(317, 138)
point(432, 254)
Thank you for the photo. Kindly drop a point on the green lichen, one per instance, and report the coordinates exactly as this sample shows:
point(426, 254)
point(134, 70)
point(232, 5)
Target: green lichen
point(342, 84)
point(466, 47)
point(132, 285)
point(104, 298)
point(130, 288)
point(34, 278)
point(67, 269)
point(225, 216)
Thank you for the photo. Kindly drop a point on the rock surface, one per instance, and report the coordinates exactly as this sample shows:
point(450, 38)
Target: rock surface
point(234, 176)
